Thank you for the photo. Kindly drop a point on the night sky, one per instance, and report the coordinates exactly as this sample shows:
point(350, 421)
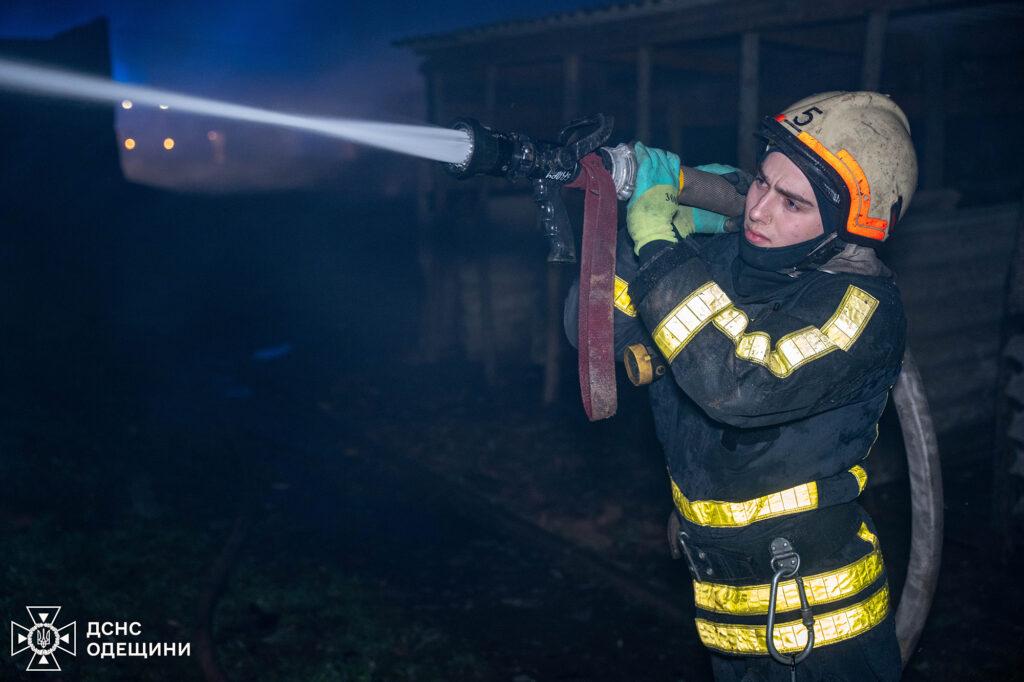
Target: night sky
point(276, 51)
point(310, 56)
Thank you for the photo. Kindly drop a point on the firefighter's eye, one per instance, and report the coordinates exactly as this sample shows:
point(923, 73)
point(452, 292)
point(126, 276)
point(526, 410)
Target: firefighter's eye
point(760, 181)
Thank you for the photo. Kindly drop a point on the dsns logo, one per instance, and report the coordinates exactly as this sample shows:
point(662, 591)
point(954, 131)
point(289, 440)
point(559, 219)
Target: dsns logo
point(43, 638)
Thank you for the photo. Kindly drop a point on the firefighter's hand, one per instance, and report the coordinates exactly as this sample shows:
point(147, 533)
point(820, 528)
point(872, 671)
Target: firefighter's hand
point(649, 217)
point(653, 167)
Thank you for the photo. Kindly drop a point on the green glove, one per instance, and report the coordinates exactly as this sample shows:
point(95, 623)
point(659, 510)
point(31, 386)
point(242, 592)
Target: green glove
point(654, 167)
point(649, 218)
point(652, 207)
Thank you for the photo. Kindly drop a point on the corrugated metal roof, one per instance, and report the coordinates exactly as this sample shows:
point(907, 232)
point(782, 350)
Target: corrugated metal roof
point(581, 17)
point(944, 21)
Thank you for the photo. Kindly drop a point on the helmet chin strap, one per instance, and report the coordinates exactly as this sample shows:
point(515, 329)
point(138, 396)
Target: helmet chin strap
point(821, 254)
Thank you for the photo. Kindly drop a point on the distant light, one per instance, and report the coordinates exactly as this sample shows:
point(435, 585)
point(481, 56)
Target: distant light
point(129, 143)
point(168, 143)
point(212, 135)
point(163, 106)
point(126, 104)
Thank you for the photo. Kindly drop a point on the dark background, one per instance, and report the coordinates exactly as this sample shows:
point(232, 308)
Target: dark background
point(260, 407)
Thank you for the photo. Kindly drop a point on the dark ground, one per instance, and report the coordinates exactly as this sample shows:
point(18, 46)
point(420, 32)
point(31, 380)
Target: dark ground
point(386, 539)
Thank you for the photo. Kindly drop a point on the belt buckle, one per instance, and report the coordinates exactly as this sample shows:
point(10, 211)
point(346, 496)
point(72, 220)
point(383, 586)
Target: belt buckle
point(694, 555)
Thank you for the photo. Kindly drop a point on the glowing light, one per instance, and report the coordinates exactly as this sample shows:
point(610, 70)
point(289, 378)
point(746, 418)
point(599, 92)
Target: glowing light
point(129, 143)
point(428, 142)
point(212, 136)
point(168, 143)
point(163, 106)
point(126, 104)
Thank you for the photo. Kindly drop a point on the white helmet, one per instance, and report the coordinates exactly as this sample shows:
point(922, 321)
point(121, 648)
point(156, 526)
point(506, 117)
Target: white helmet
point(855, 149)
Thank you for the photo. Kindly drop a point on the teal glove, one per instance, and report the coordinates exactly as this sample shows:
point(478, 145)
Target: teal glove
point(653, 206)
point(654, 167)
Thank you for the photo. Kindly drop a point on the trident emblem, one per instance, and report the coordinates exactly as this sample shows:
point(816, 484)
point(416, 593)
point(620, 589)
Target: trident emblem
point(44, 638)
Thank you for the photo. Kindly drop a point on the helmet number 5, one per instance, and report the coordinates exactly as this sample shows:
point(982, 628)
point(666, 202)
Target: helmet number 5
point(806, 117)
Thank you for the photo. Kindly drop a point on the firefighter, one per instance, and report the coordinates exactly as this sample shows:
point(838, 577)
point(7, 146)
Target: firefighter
point(781, 343)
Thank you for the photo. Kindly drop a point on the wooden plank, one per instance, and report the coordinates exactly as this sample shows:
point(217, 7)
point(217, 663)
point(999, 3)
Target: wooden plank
point(947, 388)
point(985, 285)
point(935, 116)
point(948, 317)
point(958, 354)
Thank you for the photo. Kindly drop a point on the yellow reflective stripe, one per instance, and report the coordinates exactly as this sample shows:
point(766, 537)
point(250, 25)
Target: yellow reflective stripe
point(732, 322)
point(829, 628)
point(861, 476)
point(717, 514)
point(822, 588)
point(797, 349)
point(850, 318)
point(689, 317)
point(621, 299)
point(805, 345)
point(867, 536)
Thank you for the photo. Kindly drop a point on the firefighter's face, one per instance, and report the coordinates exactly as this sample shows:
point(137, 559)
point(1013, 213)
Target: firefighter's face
point(781, 209)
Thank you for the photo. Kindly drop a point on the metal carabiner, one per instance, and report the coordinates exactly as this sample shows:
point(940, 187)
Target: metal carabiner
point(785, 564)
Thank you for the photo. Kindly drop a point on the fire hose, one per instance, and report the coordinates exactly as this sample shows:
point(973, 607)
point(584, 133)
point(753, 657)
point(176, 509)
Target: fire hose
point(605, 174)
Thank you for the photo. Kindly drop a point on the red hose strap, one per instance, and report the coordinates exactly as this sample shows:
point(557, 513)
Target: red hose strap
point(597, 284)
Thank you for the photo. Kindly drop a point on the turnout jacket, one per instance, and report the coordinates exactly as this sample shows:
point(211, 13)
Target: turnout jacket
point(772, 400)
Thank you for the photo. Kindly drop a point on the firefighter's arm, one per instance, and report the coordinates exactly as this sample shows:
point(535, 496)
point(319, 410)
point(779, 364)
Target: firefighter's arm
point(629, 328)
point(840, 342)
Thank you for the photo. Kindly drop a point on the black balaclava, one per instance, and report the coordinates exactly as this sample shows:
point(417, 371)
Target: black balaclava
point(760, 271)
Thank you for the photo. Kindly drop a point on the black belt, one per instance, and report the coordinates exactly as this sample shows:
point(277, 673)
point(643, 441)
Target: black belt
point(707, 561)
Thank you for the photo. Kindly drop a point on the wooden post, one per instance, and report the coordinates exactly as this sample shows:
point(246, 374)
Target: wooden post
point(553, 290)
point(425, 253)
point(424, 177)
point(748, 104)
point(874, 50)
point(674, 121)
point(439, 313)
point(483, 256)
point(643, 94)
point(935, 120)
point(570, 87)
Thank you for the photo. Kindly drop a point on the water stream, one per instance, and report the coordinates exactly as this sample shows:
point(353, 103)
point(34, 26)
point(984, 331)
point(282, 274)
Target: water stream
point(427, 142)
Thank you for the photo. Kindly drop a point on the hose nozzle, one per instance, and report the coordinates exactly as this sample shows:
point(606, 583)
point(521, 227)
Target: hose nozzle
point(515, 155)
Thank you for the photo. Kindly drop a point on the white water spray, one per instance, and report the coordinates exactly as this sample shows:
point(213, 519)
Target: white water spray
point(427, 142)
